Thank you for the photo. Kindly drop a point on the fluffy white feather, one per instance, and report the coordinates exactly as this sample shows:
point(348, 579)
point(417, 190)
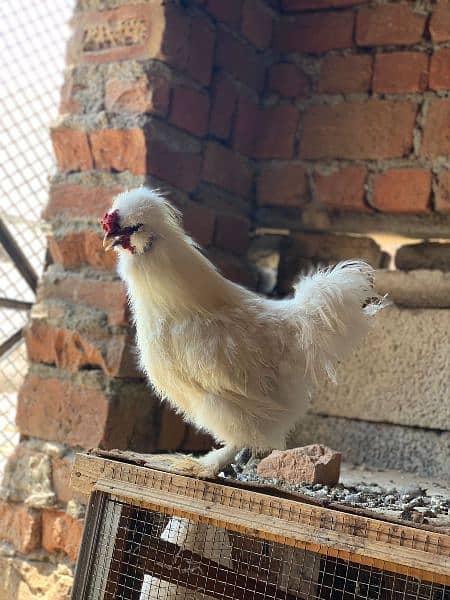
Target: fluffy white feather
point(235, 364)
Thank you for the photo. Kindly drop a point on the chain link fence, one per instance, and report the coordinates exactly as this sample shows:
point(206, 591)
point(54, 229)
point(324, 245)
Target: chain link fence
point(33, 36)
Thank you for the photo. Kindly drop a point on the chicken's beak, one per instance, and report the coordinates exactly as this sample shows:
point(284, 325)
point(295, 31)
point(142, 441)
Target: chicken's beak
point(108, 241)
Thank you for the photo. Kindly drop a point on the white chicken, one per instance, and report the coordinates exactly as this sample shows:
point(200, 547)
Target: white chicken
point(237, 365)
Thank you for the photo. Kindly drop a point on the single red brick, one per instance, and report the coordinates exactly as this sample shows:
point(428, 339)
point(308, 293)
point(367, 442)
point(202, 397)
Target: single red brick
point(144, 95)
point(246, 125)
point(61, 533)
point(287, 80)
point(257, 23)
point(71, 149)
point(20, 526)
point(440, 70)
point(61, 468)
point(282, 184)
point(232, 234)
point(314, 33)
point(119, 150)
point(170, 163)
point(190, 110)
point(78, 248)
point(346, 74)
point(227, 170)
point(76, 201)
point(228, 12)
point(443, 192)
point(68, 101)
point(440, 22)
point(358, 130)
point(342, 190)
point(403, 191)
point(384, 24)
point(298, 5)
point(199, 222)
point(240, 60)
point(224, 99)
point(399, 72)
point(201, 50)
point(436, 136)
point(175, 47)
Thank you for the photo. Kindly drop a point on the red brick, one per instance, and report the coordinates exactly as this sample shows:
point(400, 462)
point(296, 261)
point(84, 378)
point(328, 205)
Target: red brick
point(385, 24)
point(61, 469)
point(240, 60)
point(119, 150)
point(190, 110)
point(20, 526)
point(61, 533)
point(71, 149)
point(175, 46)
point(108, 296)
point(287, 80)
point(399, 72)
point(440, 70)
point(314, 33)
point(346, 74)
point(232, 234)
point(201, 50)
point(199, 222)
point(298, 5)
point(80, 248)
point(68, 102)
point(73, 201)
point(224, 99)
point(257, 23)
point(403, 191)
point(342, 190)
point(436, 135)
point(169, 162)
point(443, 192)
point(228, 12)
point(144, 95)
point(233, 269)
point(171, 430)
point(227, 170)
point(358, 130)
point(72, 350)
point(440, 22)
point(282, 184)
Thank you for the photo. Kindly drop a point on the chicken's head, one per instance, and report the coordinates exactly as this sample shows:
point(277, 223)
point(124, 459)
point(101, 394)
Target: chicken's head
point(137, 219)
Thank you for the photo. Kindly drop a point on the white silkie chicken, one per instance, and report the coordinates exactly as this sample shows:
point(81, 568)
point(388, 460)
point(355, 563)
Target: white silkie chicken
point(237, 365)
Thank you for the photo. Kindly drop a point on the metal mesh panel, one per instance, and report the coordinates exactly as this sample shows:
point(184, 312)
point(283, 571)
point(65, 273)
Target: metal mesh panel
point(139, 554)
point(33, 36)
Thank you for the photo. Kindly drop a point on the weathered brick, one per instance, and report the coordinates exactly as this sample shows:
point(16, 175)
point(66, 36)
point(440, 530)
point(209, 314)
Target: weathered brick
point(440, 70)
point(170, 162)
point(403, 191)
point(144, 95)
point(257, 23)
point(314, 33)
point(79, 248)
point(399, 72)
point(232, 233)
point(287, 80)
point(172, 430)
point(440, 22)
point(119, 150)
point(224, 100)
point(190, 110)
point(282, 184)
point(346, 74)
point(226, 169)
point(71, 201)
point(342, 190)
point(199, 222)
point(68, 102)
point(201, 50)
point(71, 149)
point(61, 468)
point(73, 350)
point(20, 526)
point(436, 136)
point(240, 60)
point(61, 533)
point(424, 255)
point(298, 5)
point(228, 12)
point(443, 192)
point(389, 24)
point(106, 295)
point(358, 130)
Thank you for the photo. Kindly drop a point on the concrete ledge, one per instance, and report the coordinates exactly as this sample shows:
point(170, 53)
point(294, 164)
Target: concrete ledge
point(415, 289)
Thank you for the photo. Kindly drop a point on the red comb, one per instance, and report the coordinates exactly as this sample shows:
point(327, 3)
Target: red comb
point(110, 222)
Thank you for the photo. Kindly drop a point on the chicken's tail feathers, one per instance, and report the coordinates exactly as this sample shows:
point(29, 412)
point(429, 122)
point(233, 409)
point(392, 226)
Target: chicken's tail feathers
point(333, 310)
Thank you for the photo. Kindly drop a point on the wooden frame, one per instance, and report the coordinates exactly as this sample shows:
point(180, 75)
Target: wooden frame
point(404, 549)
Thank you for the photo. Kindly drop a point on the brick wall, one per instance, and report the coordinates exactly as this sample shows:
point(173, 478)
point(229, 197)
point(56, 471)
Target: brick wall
point(325, 117)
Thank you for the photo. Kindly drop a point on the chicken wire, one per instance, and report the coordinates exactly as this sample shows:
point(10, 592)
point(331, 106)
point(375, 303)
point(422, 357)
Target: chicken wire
point(33, 36)
point(139, 554)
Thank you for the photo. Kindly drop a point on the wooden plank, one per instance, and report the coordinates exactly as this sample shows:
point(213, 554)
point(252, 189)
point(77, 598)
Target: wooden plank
point(400, 549)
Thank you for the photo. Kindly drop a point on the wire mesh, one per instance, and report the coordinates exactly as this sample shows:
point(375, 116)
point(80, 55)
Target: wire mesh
point(141, 554)
point(33, 36)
